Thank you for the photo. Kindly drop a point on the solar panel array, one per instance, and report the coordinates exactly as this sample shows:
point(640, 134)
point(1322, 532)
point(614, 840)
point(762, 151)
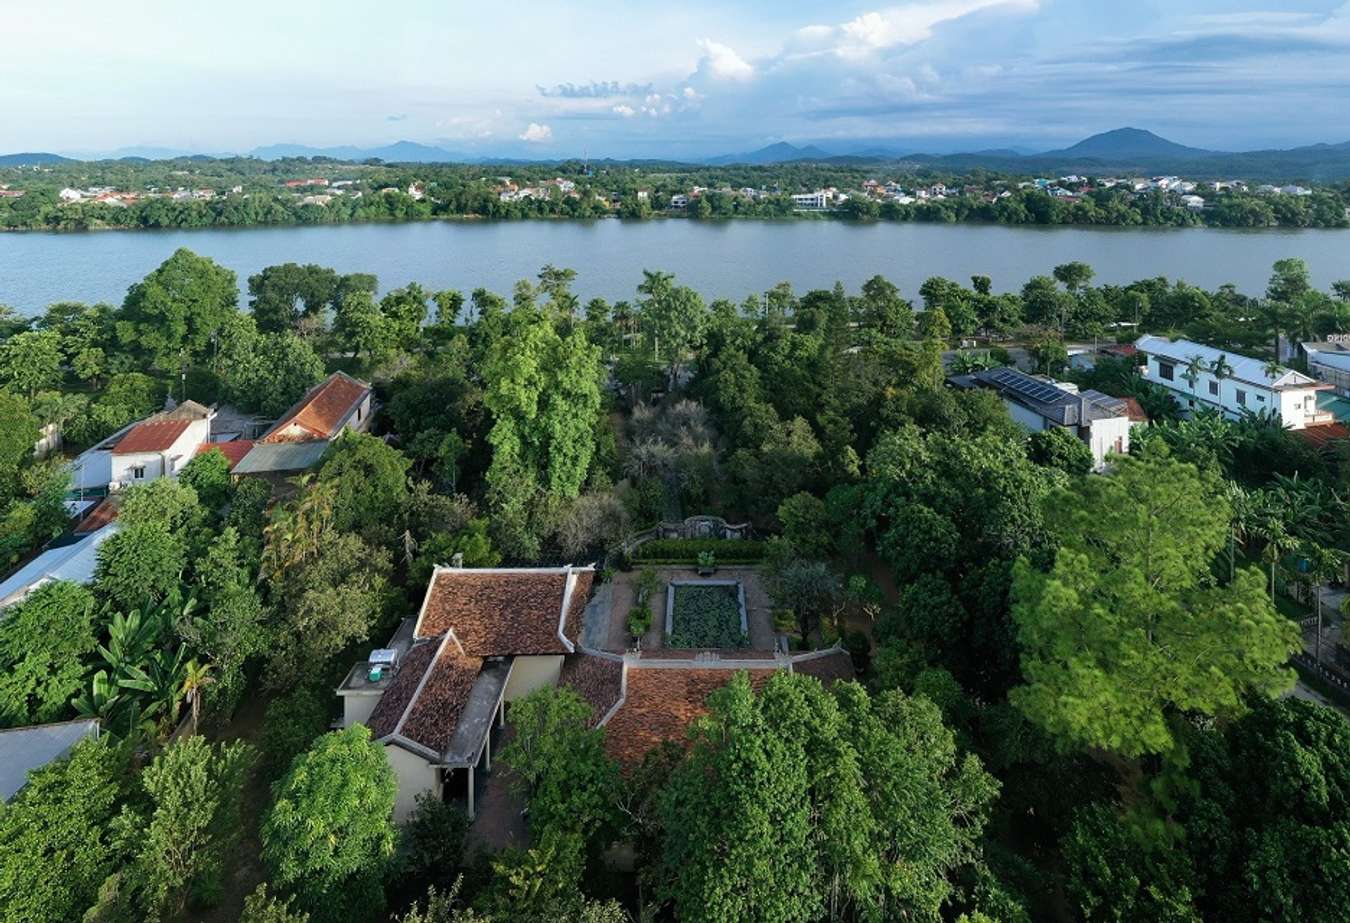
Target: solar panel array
point(1025, 386)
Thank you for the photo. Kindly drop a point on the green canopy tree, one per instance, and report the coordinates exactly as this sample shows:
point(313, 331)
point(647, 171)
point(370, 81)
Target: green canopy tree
point(1128, 625)
point(171, 316)
point(328, 836)
point(31, 361)
point(43, 643)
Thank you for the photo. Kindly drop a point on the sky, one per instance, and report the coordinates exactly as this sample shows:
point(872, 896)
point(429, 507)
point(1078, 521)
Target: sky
point(635, 78)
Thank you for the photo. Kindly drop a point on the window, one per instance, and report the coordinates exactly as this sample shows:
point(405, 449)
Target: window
point(1260, 398)
point(1214, 387)
point(1166, 372)
point(138, 472)
point(1242, 398)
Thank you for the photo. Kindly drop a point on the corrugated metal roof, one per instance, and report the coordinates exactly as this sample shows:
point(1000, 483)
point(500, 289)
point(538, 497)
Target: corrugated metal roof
point(287, 456)
point(74, 562)
point(25, 749)
point(1244, 368)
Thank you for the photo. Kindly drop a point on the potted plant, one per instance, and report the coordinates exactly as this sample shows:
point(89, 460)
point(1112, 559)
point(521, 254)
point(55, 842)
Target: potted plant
point(707, 563)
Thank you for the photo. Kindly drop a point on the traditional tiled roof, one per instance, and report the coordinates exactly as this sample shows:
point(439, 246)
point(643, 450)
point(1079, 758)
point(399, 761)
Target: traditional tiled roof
point(151, 436)
point(434, 712)
point(234, 450)
point(396, 699)
point(1135, 410)
point(319, 415)
point(829, 667)
point(659, 705)
point(509, 611)
point(598, 680)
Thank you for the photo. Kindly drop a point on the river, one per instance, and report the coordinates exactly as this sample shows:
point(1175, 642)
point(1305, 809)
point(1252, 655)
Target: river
point(719, 259)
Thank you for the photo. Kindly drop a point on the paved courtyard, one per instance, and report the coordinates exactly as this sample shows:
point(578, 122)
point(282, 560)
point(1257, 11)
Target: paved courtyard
point(758, 606)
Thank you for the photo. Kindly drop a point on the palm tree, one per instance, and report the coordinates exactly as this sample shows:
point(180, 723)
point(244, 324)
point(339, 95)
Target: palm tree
point(1221, 368)
point(196, 677)
point(1195, 367)
point(1273, 369)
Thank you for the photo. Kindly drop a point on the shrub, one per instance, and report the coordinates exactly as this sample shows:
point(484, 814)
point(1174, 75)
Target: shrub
point(706, 616)
point(639, 620)
point(687, 550)
point(291, 723)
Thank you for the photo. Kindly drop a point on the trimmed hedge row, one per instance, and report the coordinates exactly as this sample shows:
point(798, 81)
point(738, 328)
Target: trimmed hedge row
point(687, 550)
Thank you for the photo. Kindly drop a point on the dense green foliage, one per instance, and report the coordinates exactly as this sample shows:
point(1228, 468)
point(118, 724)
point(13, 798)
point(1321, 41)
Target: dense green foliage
point(687, 550)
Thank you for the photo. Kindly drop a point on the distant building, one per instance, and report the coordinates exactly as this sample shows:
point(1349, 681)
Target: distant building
point(157, 446)
point(1098, 420)
point(1193, 202)
point(811, 201)
point(1252, 385)
point(298, 440)
point(1329, 361)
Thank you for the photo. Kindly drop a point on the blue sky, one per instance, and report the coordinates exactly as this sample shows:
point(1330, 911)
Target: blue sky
point(640, 78)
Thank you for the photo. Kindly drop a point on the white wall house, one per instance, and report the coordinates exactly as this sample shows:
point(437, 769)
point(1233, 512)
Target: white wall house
point(1242, 385)
point(1329, 361)
point(158, 446)
point(1098, 420)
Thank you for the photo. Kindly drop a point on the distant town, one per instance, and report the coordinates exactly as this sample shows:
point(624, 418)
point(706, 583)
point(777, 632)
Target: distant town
point(202, 192)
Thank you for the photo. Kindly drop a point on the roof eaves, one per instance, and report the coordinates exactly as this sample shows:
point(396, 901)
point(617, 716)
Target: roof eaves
point(421, 684)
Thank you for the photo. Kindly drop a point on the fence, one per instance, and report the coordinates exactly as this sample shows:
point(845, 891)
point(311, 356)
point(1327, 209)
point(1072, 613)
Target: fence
point(692, 527)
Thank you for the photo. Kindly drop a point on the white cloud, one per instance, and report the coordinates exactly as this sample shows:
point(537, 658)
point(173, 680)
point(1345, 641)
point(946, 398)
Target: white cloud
point(624, 110)
point(907, 24)
point(723, 62)
point(537, 134)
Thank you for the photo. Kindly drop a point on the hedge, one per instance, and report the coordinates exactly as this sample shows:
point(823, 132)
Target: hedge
point(687, 550)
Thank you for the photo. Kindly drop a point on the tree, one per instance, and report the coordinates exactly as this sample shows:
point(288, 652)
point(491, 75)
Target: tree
point(281, 296)
point(291, 724)
point(674, 316)
point(166, 503)
point(1127, 625)
point(361, 329)
point(19, 432)
point(742, 848)
point(208, 476)
point(195, 790)
point(31, 361)
point(1074, 276)
point(543, 392)
point(171, 316)
point(369, 479)
point(1058, 448)
point(43, 642)
point(139, 564)
point(227, 628)
point(328, 835)
point(809, 589)
point(269, 373)
point(561, 764)
point(58, 843)
point(262, 907)
point(328, 602)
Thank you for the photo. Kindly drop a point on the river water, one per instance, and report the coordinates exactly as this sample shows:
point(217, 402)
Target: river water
point(719, 259)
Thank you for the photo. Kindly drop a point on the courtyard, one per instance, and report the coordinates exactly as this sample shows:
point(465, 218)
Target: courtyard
point(703, 612)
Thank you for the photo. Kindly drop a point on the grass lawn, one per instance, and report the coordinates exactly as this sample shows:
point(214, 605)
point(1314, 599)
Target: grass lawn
point(706, 616)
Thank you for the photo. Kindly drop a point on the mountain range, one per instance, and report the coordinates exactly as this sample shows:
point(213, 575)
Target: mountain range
point(1123, 150)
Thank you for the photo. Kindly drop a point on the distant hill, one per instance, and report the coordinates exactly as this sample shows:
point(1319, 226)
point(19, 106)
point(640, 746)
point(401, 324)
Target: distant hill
point(782, 152)
point(1124, 144)
point(398, 152)
point(31, 159)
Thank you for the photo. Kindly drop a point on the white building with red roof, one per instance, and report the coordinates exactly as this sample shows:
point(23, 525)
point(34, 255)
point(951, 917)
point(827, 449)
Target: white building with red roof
point(158, 446)
point(298, 440)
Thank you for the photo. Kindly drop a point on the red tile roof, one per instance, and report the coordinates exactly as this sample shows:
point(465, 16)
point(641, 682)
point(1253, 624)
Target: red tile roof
point(102, 514)
point(598, 680)
point(829, 668)
point(1135, 410)
point(234, 450)
point(320, 412)
point(500, 612)
point(151, 436)
point(659, 705)
point(1322, 436)
point(434, 712)
point(396, 698)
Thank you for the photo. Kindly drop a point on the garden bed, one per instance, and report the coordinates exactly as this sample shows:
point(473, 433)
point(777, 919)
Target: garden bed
point(706, 614)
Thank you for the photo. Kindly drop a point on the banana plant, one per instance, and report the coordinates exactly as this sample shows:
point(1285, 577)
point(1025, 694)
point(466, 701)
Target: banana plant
point(161, 679)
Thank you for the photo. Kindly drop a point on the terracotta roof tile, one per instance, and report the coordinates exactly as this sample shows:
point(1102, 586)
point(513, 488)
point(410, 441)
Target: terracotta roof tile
point(1135, 410)
point(828, 669)
point(102, 514)
point(435, 710)
point(401, 689)
point(659, 705)
point(318, 414)
point(496, 613)
point(151, 436)
point(234, 450)
point(581, 594)
point(595, 679)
